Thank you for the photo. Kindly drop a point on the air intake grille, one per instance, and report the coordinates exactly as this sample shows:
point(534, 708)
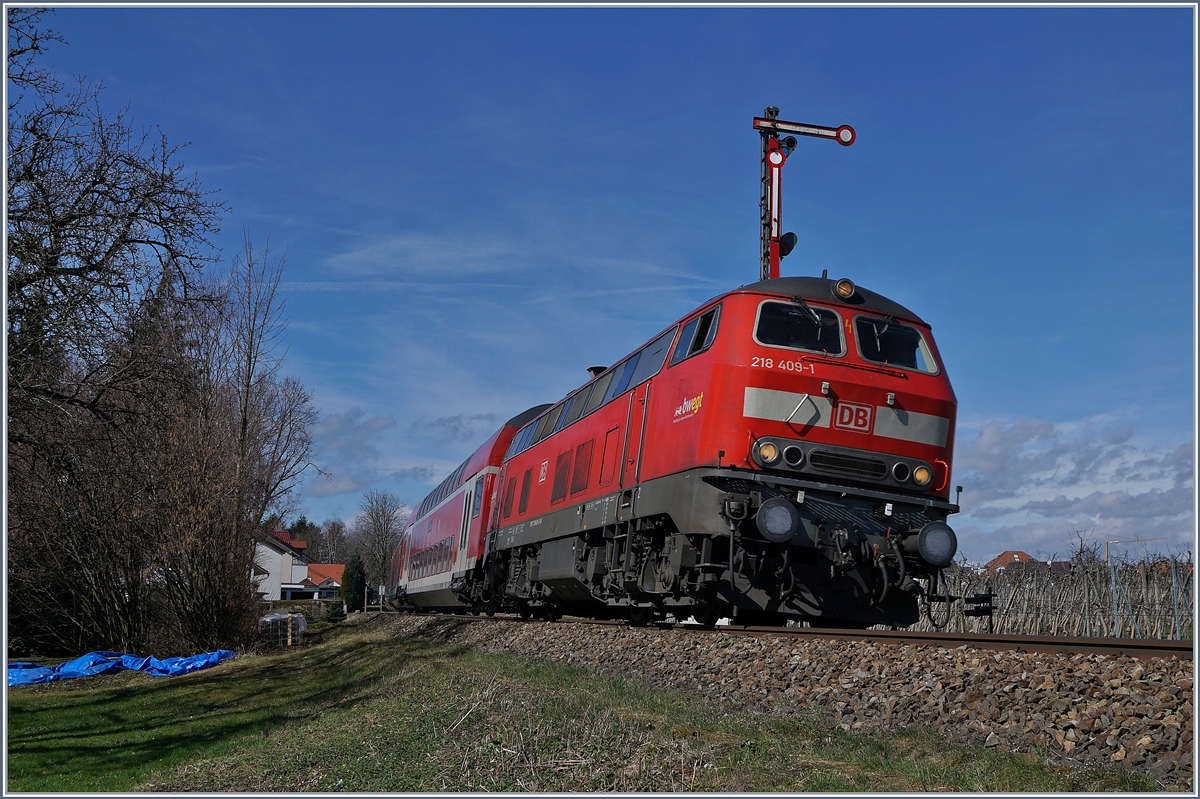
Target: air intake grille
point(847, 465)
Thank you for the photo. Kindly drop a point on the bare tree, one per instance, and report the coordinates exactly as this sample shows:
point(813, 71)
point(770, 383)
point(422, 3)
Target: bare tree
point(149, 427)
point(260, 425)
point(332, 547)
point(377, 531)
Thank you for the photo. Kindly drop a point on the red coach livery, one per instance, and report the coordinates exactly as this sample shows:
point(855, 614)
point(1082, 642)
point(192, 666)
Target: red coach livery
point(782, 452)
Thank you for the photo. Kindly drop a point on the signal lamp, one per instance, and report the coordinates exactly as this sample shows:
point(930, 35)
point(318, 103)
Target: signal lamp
point(922, 475)
point(900, 471)
point(768, 453)
point(843, 289)
point(787, 243)
point(793, 455)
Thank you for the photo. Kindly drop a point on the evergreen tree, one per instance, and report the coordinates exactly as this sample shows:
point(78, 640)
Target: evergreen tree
point(354, 579)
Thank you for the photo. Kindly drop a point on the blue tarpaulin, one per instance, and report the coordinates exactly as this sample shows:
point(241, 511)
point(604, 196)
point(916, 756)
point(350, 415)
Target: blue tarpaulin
point(108, 662)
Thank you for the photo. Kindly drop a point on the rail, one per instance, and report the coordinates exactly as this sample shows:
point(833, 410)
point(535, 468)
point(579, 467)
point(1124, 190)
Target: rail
point(1141, 648)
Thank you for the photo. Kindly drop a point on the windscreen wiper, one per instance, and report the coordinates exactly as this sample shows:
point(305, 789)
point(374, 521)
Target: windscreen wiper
point(811, 313)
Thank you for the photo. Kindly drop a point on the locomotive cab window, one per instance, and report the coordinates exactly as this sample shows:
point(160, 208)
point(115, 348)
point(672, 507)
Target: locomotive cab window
point(697, 336)
point(792, 326)
point(887, 342)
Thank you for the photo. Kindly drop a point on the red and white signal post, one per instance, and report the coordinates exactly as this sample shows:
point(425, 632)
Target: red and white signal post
point(774, 155)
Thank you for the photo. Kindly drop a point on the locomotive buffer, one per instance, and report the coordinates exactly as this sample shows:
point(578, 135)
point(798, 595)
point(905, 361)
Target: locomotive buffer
point(774, 155)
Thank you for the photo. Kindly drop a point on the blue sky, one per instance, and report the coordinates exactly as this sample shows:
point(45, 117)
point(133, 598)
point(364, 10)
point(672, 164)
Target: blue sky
point(477, 204)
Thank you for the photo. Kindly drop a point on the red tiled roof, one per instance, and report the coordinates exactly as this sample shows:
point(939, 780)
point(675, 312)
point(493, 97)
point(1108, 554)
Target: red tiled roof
point(1008, 558)
point(320, 572)
point(286, 537)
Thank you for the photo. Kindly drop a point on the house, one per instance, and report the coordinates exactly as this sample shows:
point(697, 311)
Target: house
point(1005, 560)
point(1015, 562)
point(326, 578)
point(281, 567)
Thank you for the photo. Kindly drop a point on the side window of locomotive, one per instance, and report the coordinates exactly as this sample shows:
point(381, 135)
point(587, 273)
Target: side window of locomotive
point(892, 343)
point(697, 336)
point(599, 389)
point(526, 437)
point(785, 324)
point(575, 409)
point(652, 357)
point(547, 425)
point(624, 374)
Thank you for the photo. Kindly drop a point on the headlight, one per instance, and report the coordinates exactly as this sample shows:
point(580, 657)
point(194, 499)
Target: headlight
point(937, 544)
point(922, 475)
point(793, 455)
point(843, 289)
point(900, 471)
point(768, 453)
point(777, 520)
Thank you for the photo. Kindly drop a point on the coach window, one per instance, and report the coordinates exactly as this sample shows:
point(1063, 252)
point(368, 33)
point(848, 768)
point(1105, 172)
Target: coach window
point(697, 336)
point(799, 327)
point(887, 342)
point(478, 496)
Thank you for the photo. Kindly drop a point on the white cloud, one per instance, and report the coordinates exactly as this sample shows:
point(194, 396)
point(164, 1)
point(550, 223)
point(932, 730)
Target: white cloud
point(460, 427)
point(426, 255)
point(347, 452)
point(1032, 484)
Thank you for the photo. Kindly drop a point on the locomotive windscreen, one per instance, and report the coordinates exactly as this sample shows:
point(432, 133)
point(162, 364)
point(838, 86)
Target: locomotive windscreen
point(783, 324)
point(891, 343)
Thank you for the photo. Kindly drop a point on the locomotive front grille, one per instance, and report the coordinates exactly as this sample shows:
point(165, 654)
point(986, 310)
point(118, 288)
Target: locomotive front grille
point(847, 465)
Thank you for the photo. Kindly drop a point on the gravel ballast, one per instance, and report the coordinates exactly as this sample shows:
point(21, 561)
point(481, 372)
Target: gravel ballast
point(1083, 709)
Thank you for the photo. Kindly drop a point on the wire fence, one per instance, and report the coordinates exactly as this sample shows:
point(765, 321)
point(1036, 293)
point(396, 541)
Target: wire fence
point(1092, 599)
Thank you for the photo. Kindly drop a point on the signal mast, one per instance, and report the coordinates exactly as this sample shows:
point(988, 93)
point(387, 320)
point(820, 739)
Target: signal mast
point(774, 155)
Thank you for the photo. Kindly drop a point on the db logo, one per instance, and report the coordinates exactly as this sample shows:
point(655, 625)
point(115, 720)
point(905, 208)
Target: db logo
point(853, 417)
point(542, 472)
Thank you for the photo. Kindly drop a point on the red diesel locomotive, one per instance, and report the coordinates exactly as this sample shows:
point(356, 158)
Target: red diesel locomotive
point(782, 452)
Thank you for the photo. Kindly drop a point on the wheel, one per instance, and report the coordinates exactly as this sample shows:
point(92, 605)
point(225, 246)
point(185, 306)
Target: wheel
point(640, 617)
point(552, 613)
point(705, 616)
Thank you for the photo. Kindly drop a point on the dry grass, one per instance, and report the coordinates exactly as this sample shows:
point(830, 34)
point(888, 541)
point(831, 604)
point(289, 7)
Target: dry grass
point(366, 711)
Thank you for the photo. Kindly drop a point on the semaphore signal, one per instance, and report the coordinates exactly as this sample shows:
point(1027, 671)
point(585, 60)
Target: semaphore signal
point(774, 155)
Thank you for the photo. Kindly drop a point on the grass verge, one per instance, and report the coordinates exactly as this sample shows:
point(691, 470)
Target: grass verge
point(363, 710)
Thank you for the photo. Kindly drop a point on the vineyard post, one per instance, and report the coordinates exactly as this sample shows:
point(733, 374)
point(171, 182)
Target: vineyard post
point(1175, 598)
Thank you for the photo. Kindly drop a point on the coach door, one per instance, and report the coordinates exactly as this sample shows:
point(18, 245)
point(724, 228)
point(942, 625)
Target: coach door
point(468, 501)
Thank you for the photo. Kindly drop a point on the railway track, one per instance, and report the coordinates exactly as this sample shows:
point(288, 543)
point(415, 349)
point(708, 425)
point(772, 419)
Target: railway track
point(1142, 648)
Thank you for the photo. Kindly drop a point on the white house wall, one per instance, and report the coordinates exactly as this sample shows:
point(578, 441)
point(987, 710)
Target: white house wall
point(273, 562)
